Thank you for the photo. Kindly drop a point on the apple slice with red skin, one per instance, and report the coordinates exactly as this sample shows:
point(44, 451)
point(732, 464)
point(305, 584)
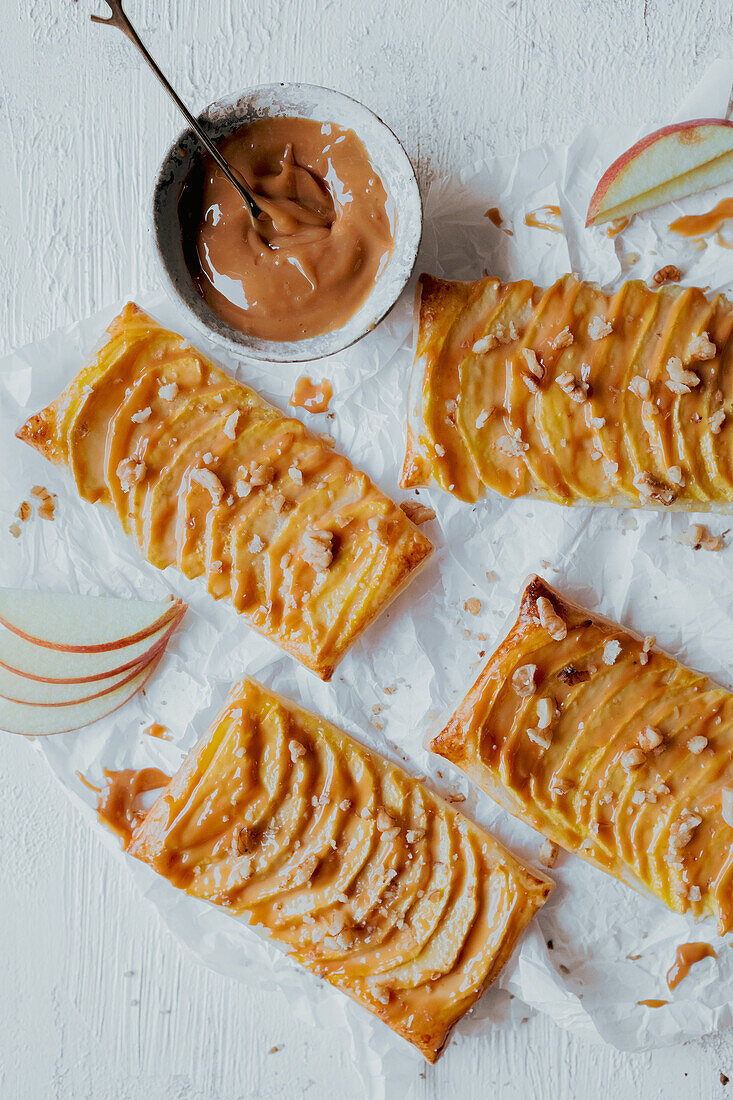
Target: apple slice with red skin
point(35, 721)
point(58, 666)
point(678, 160)
point(82, 624)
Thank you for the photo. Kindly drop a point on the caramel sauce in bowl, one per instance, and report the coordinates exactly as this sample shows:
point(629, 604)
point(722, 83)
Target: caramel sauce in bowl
point(181, 201)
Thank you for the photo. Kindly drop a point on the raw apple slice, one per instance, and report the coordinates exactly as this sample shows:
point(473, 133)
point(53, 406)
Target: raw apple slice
point(40, 721)
point(678, 160)
point(40, 693)
point(60, 666)
point(82, 624)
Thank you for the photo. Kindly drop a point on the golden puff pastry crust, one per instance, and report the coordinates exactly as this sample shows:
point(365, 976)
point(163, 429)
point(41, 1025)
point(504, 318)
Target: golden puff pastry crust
point(572, 395)
point(611, 748)
point(365, 877)
point(207, 476)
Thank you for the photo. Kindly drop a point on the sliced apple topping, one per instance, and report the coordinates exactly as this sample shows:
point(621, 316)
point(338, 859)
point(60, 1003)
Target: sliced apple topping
point(368, 879)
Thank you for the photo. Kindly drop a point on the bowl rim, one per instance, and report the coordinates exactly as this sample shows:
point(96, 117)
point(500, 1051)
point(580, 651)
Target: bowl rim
point(200, 313)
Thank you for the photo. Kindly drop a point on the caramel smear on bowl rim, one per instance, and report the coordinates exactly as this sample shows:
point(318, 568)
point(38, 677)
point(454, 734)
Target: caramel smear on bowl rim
point(494, 216)
point(155, 729)
point(314, 397)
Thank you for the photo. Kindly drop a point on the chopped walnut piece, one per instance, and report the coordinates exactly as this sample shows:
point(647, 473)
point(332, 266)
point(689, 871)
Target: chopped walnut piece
point(230, 425)
point(682, 830)
point(316, 549)
point(640, 387)
point(260, 475)
point(680, 380)
point(256, 545)
point(168, 392)
point(649, 739)
point(482, 417)
point(417, 512)
point(550, 620)
point(696, 745)
point(548, 853)
point(542, 738)
point(532, 363)
point(576, 389)
point(571, 675)
point(486, 343)
point(384, 821)
point(599, 328)
point(716, 421)
point(632, 759)
point(650, 488)
point(675, 475)
point(726, 796)
point(473, 606)
point(699, 538)
point(524, 680)
point(512, 444)
point(142, 415)
point(667, 274)
point(563, 340)
point(701, 348)
point(24, 511)
point(296, 474)
point(130, 471)
point(296, 749)
point(546, 711)
point(208, 480)
point(611, 651)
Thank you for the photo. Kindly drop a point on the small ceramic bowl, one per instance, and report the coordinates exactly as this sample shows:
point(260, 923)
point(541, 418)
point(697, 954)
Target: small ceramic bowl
point(385, 153)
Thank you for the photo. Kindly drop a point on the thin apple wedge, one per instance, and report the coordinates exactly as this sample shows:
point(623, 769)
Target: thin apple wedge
point(61, 666)
point(44, 693)
point(669, 164)
point(82, 624)
point(34, 721)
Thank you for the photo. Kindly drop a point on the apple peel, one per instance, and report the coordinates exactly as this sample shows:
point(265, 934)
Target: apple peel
point(682, 159)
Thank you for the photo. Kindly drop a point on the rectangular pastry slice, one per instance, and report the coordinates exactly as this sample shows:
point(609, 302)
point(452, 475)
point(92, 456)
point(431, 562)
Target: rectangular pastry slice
point(609, 747)
point(207, 476)
point(573, 395)
point(361, 874)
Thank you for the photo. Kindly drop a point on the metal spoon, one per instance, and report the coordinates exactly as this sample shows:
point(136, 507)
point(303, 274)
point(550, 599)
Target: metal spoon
point(119, 19)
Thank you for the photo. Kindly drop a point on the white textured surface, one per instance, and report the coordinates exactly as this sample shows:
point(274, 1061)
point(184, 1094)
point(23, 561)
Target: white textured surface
point(97, 1000)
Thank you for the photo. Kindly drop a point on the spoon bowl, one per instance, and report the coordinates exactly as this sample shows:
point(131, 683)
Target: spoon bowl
point(304, 101)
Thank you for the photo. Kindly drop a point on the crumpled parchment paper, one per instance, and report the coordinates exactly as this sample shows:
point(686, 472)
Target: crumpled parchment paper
point(427, 647)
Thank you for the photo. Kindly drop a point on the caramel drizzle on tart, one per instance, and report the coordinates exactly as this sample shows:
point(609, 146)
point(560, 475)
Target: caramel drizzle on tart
point(365, 877)
point(571, 394)
point(206, 475)
point(609, 747)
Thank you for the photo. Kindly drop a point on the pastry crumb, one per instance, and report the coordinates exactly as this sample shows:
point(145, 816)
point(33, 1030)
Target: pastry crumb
point(550, 620)
point(698, 537)
point(547, 854)
point(473, 606)
point(15, 530)
point(524, 680)
point(701, 348)
point(599, 328)
point(611, 651)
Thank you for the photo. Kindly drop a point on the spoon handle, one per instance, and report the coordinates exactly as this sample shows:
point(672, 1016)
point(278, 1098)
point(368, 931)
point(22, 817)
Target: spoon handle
point(119, 19)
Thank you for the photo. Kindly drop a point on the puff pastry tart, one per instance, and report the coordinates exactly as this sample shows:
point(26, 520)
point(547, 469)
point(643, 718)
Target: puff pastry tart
point(364, 876)
point(609, 747)
point(209, 477)
point(573, 395)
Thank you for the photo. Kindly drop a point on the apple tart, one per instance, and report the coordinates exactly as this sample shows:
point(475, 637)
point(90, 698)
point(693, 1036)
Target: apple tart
point(609, 747)
point(573, 395)
point(208, 476)
point(366, 878)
